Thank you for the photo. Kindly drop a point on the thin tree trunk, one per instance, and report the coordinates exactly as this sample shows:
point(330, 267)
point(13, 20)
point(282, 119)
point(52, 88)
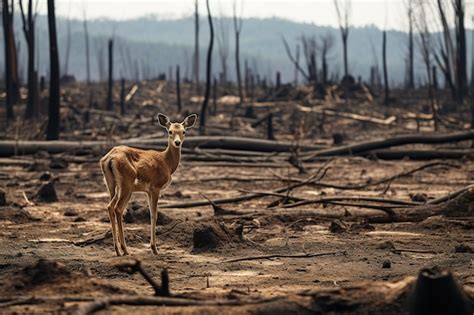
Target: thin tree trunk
point(53, 110)
point(346, 67)
point(122, 96)
point(196, 48)
point(385, 72)
point(202, 123)
point(178, 89)
point(68, 48)
point(88, 64)
point(461, 72)
point(110, 102)
point(411, 69)
point(8, 60)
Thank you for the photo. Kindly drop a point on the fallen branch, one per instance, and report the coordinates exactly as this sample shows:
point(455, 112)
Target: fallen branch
point(136, 266)
point(308, 255)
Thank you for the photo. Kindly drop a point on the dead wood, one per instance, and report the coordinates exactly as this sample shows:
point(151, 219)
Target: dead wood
point(307, 255)
point(136, 266)
point(461, 205)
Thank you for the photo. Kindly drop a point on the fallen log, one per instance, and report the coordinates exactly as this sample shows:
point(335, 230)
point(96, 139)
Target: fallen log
point(461, 205)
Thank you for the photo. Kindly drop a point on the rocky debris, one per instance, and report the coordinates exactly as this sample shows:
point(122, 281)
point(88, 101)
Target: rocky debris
point(387, 264)
point(43, 271)
point(463, 248)
point(386, 245)
point(46, 176)
point(58, 163)
point(215, 234)
point(47, 193)
point(337, 226)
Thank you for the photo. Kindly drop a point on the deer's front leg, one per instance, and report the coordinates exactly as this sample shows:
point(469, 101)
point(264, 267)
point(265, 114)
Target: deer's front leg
point(153, 203)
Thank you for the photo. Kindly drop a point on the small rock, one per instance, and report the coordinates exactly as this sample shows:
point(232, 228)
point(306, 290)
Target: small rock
point(46, 176)
point(386, 264)
point(337, 226)
point(80, 219)
point(47, 192)
point(462, 248)
point(3, 198)
point(386, 245)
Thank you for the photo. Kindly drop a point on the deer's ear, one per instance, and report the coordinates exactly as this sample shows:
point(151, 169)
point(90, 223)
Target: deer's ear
point(163, 120)
point(189, 121)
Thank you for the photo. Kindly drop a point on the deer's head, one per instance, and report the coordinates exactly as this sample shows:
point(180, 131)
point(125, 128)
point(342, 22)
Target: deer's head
point(176, 131)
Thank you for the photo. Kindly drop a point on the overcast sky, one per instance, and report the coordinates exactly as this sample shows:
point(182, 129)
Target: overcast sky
point(382, 13)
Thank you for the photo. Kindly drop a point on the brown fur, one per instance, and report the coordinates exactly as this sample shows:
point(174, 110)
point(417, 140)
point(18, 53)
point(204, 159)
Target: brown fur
point(127, 170)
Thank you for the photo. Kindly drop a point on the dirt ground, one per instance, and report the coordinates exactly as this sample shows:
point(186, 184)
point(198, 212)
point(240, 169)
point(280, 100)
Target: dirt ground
point(74, 231)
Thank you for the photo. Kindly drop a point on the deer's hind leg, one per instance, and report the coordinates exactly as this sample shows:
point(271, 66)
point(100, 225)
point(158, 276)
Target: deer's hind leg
point(113, 222)
point(124, 193)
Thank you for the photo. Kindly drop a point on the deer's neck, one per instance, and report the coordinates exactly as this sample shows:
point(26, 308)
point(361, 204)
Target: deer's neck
point(172, 157)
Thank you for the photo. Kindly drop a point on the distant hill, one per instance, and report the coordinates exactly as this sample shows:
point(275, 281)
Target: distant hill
point(155, 45)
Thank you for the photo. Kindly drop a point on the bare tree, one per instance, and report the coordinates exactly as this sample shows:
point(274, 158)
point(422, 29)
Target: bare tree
point(29, 31)
point(202, 121)
point(343, 15)
point(460, 31)
point(222, 36)
point(327, 43)
point(196, 47)
point(110, 101)
point(53, 109)
point(10, 65)
point(426, 50)
point(294, 60)
point(178, 89)
point(86, 39)
point(385, 72)
point(68, 47)
point(411, 54)
point(310, 48)
point(237, 30)
point(297, 62)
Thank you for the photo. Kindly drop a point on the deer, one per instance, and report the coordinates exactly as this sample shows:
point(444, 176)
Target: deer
point(127, 170)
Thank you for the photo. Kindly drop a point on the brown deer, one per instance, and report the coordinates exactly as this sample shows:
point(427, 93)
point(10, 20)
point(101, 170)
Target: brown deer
point(127, 170)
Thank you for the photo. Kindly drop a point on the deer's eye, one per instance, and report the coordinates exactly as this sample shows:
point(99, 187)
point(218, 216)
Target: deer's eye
point(170, 132)
point(184, 132)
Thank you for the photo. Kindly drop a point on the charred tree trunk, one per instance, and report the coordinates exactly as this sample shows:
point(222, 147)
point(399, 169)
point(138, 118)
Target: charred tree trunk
point(122, 96)
point(385, 72)
point(237, 29)
point(29, 31)
point(435, 78)
point(202, 123)
point(196, 48)
point(214, 97)
point(68, 48)
point(178, 89)
point(278, 80)
point(110, 102)
point(461, 73)
point(53, 110)
point(9, 62)
point(411, 49)
point(88, 64)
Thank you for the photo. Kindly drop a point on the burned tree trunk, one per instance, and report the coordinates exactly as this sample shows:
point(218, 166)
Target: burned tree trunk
point(68, 48)
point(343, 17)
point(196, 48)
point(110, 102)
point(9, 61)
point(122, 96)
point(385, 73)
point(237, 30)
point(53, 110)
point(178, 89)
point(461, 73)
point(202, 122)
point(86, 38)
point(29, 31)
point(411, 69)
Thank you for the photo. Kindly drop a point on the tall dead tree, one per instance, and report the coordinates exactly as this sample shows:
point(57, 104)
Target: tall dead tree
point(178, 89)
point(472, 57)
point(10, 65)
point(110, 101)
point(222, 36)
point(294, 60)
point(86, 39)
point(53, 108)
point(327, 43)
point(32, 108)
point(202, 121)
point(460, 31)
point(297, 62)
point(237, 30)
point(427, 52)
point(411, 50)
point(310, 48)
point(196, 48)
point(385, 72)
point(68, 47)
point(343, 16)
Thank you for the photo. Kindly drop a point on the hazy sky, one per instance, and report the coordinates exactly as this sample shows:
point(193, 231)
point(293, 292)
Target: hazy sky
point(389, 13)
